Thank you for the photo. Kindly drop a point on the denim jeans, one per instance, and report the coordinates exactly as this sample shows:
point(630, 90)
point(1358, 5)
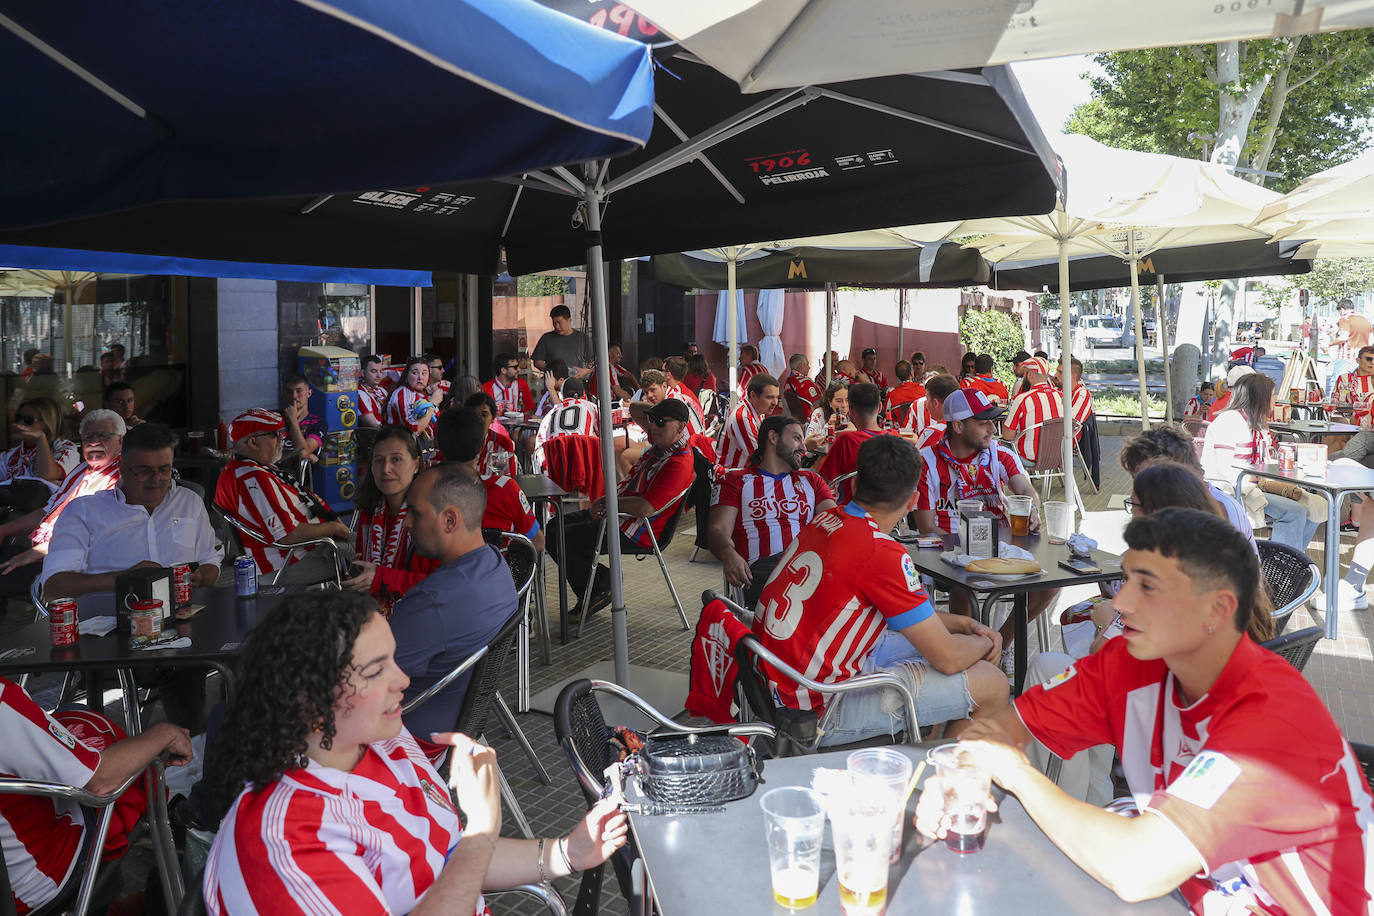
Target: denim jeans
point(1291, 525)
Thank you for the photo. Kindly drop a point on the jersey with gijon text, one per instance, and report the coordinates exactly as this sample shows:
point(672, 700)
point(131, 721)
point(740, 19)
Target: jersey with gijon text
point(834, 590)
point(945, 479)
point(1255, 774)
point(773, 508)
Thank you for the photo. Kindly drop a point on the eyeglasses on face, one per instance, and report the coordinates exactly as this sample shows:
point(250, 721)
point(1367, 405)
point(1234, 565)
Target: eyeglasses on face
point(660, 422)
point(26, 419)
point(144, 474)
point(1130, 505)
point(97, 437)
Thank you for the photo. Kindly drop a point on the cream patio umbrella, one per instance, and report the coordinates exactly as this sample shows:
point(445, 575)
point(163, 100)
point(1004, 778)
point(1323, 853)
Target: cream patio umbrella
point(1122, 203)
point(775, 44)
point(1333, 210)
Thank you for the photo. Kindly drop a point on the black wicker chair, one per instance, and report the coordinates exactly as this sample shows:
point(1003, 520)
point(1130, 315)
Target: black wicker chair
point(1297, 647)
point(1292, 576)
point(581, 730)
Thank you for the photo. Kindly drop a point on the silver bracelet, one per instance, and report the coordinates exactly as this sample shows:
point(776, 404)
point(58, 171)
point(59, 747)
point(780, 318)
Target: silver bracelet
point(539, 861)
point(562, 846)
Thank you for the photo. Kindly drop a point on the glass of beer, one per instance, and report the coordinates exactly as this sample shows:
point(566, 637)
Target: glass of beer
point(965, 787)
point(881, 772)
point(863, 836)
point(1018, 514)
point(794, 822)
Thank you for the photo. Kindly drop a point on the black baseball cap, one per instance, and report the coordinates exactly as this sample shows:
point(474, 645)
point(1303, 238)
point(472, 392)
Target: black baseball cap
point(669, 409)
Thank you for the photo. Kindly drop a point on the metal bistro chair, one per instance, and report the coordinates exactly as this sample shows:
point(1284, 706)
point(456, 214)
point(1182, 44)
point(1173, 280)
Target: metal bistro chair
point(523, 560)
point(582, 732)
point(795, 731)
point(796, 405)
point(1196, 427)
point(74, 895)
point(676, 507)
point(1296, 648)
point(1049, 462)
point(241, 531)
point(488, 666)
point(1292, 576)
point(840, 481)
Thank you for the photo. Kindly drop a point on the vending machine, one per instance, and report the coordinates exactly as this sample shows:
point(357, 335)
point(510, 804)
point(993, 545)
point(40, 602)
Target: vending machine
point(333, 376)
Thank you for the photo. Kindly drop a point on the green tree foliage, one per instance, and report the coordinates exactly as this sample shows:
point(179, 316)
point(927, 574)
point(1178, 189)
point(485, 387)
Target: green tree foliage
point(1313, 95)
point(996, 333)
point(1331, 280)
point(540, 285)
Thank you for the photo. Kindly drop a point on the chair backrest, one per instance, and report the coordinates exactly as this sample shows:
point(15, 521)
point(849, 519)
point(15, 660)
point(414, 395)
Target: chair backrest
point(584, 735)
point(1292, 576)
point(899, 414)
point(1049, 455)
point(841, 487)
point(519, 554)
point(1364, 753)
point(486, 678)
point(581, 475)
point(796, 405)
point(1297, 647)
point(1196, 426)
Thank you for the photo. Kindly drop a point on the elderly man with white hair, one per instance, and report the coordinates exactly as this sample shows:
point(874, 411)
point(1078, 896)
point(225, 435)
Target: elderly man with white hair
point(102, 439)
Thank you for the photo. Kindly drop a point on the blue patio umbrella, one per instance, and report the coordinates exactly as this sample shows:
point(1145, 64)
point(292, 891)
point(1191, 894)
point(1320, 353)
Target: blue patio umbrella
point(115, 105)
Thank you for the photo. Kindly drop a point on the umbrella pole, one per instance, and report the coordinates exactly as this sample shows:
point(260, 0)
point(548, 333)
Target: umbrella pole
point(901, 324)
point(1139, 335)
point(593, 194)
point(731, 336)
point(829, 323)
point(1162, 328)
point(1066, 360)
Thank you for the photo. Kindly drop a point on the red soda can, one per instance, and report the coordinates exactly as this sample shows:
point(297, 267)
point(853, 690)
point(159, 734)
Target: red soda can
point(145, 618)
point(62, 621)
point(1288, 457)
point(181, 585)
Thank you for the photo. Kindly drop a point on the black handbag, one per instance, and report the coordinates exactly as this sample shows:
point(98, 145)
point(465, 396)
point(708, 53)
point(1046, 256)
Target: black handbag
point(695, 771)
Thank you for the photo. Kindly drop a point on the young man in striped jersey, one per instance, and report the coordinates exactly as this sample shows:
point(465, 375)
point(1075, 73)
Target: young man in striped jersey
point(1030, 411)
point(844, 581)
point(763, 505)
point(1251, 800)
point(740, 437)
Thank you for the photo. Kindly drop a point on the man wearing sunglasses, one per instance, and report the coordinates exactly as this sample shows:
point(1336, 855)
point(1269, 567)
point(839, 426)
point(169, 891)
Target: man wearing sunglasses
point(102, 438)
point(1356, 390)
point(661, 475)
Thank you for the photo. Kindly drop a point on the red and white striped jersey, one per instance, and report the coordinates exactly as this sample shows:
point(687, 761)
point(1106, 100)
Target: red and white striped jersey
point(918, 417)
point(804, 388)
point(1357, 391)
point(1280, 830)
point(489, 460)
point(407, 408)
point(748, 372)
point(696, 418)
point(516, 396)
point(261, 500)
point(18, 461)
point(1228, 440)
point(1043, 402)
point(80, 482)
point(838, 584)
point(507, 509)
point(772, 509)
point(878, 378)
point(1196, 408)
point(660, 476)
point(1081, 400)
point(619, 376)
point(372, 402)
point(740, 436)
point(933, 433)
point(41, 837)
point(573, 417)
point(945, 479)
point(322, 841)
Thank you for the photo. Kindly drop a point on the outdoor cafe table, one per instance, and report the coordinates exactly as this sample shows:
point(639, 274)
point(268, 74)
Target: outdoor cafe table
point(1341, 479)
point(983, 590)
point(1313, 431)
point(705, 863)
point(540, 489)
point(216, 633)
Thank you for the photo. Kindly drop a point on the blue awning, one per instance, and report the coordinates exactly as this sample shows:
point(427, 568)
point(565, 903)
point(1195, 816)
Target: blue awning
point(116, 262)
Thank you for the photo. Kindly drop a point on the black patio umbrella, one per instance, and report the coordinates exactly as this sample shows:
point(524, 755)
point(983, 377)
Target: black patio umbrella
point(1219, 261)
point(940, 264)
point(720, 168)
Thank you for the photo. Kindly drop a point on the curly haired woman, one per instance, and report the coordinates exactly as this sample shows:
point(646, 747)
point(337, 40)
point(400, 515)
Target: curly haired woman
point(331, 804)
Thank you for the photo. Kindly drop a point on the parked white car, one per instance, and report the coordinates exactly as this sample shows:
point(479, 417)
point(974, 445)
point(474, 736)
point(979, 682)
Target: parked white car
point(1105, 331)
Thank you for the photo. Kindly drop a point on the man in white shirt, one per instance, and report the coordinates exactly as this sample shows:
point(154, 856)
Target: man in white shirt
point(146, 521)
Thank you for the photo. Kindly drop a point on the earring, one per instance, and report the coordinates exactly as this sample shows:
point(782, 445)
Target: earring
point(1211, 629)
